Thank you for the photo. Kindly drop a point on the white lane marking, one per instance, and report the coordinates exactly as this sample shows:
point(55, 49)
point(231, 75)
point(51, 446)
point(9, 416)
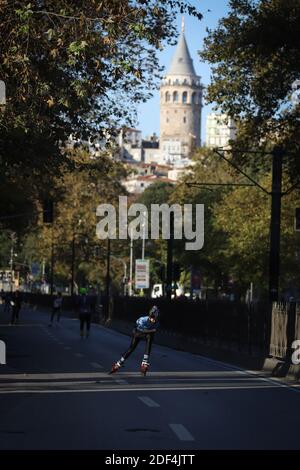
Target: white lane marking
point(181, 432)
point(129, 389)
point(274, 381)
point(79, 355)
point(121, 381)
point(96, 365)
point(252, 373)
point(149, 402)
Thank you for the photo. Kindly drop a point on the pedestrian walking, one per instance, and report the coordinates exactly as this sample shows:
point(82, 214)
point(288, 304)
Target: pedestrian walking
point(85, 313)
point(16, 303)
point(56, 308)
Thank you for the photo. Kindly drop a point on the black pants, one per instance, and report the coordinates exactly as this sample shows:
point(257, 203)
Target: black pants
point(55, 311)
point(85, 318)
point(137, 336)
point(15, 314)
point(6, 307)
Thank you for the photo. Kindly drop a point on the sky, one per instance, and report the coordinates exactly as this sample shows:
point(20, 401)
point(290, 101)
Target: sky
point(195, 31)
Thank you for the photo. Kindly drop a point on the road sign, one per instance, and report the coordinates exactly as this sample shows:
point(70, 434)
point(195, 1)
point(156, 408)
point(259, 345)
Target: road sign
point(141, 274)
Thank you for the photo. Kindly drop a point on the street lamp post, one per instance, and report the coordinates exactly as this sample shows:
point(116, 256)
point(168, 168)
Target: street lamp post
point(131, 264)
point(107, 289)
point(276, 194)
point(11, 261)
point(73, 265)
point(170, 245)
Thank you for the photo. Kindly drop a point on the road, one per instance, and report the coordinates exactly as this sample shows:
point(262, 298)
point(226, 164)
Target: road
point(55, 393)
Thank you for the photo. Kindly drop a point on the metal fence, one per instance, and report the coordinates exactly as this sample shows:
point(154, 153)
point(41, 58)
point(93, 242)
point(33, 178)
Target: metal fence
point(229, 324)
point(285, 328)
point(261, 327)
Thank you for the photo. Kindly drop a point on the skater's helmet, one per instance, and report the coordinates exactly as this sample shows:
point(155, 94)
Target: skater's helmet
point(154, 312)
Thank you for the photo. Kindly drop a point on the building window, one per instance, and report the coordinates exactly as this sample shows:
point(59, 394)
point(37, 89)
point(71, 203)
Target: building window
point(194, 100)
point(167, 120)
point(184, 119)
point(184, 97)
point(175, 97)
point(168, 96)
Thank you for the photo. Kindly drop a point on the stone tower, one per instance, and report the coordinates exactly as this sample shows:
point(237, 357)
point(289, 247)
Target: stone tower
point(180, 106)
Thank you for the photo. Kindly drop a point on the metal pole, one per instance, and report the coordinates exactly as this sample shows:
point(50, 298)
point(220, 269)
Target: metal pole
point(52, 263)
point(108, 276)
point(43, 269)
point(143, 241)
point(125, 278)
point(11, 262)
point(274, 262)
point(170, 258)
point(73, 265)
point(131, 264)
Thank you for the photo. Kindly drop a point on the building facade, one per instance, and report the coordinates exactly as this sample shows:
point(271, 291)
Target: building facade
point(220, 129)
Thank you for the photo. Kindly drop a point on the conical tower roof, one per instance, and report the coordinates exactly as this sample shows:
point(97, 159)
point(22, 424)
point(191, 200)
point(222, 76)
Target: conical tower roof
point(182, 64)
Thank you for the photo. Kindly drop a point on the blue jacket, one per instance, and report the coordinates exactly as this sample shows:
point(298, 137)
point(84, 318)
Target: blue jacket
point(143, 323)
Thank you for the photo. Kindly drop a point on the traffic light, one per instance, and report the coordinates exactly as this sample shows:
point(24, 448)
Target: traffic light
point(297, 219)
point(48, 211)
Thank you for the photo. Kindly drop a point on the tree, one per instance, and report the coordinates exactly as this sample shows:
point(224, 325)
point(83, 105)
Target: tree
point(76, 195)
point(73, 67)
point(244, 217)
point(70, 66)
point(255, 57)
point(156, 250)
point(208, 168)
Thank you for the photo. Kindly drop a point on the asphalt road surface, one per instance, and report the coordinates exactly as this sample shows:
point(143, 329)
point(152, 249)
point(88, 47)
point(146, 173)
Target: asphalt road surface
point(56, 393)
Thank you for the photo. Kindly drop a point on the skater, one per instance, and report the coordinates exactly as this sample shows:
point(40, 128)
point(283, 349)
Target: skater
point(145, 329)
point(56, 308)
point(85, 313)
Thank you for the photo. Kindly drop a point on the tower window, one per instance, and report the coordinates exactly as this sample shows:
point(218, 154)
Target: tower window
point(168, 96)
point(184, 119)
point(184, 97)
point(194, 98)
point(175, 97)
